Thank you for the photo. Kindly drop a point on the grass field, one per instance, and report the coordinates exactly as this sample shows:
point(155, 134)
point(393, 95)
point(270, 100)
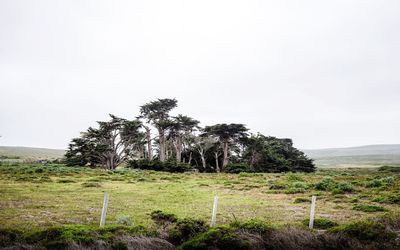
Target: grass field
point(43, 196)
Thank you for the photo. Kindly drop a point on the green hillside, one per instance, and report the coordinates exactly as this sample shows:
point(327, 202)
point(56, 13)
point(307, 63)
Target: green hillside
point(24, 153)
point(370, 155)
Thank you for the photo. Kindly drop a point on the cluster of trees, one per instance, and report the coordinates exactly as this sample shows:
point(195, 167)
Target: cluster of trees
point(180, 140)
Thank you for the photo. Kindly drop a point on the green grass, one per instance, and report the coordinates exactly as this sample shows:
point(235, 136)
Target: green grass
point(46, 196)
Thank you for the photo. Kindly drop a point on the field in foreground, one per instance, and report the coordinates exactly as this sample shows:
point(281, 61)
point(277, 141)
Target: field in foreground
point(43, 196)
point(58, 207)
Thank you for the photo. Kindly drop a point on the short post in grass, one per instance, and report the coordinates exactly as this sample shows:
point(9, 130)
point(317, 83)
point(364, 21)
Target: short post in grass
point(104, 210)
point(312, 212)
point(214, 211)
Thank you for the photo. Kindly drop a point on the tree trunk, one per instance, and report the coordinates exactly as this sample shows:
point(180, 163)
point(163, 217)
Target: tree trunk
point(178, 149)
point(203, 161)
point(190, 157)
point(162, 144)
point(225, 161)
point(217, 163)
point(149, 149)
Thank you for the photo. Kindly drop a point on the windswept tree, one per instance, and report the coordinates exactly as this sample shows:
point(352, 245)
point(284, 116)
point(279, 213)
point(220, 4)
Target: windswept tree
point(203, 143)
point(80, 153)
point(110, 144)
point(227, 135)
point(181, 130)
point(271, 154)
point(157, 113)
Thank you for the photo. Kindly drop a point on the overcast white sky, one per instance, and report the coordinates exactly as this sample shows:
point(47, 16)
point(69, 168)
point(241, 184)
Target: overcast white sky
point(325, 73)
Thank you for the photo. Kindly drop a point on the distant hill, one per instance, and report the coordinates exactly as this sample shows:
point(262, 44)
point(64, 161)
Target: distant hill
point(370, 155)
point(24, 153)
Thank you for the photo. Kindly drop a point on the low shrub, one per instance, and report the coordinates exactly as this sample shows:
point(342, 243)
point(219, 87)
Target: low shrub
point(380, 182)
point(161, 217)
point(237, 168)
point(302, 200)
point(366, 230)
point(91, 184)
point(186, 229)
point(297, 187)
point(278, 186)
point(216, 238)
point(326, 184)
point(321, 223)
point(369, 208)
point(294, 177)
point(168, 166)
point(342, 188)
point(254, 226)
point(124, 220)
point(391, 169)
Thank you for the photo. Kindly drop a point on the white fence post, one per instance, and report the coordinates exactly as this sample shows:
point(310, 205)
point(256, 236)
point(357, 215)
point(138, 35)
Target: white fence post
point(214, 211)
point(312, 212)
point(104, 210)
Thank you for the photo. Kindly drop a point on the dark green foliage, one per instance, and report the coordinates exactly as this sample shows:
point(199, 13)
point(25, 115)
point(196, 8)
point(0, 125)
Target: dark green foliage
point(380, 182)
point(326, 184)
point(320, 223)
point(391, 169)
point(161, 217)
point(237, 168)
point(9, 236)
point(186, 229)
point(278, 186)
point(119, 245)
point(369, 208)
point(297, 187)
point(342, 188)
point(302, 200)
point(168, 166)
point(91, 184)
point(216, 238)
point(108, 145)
point(254, 226)
point(366, 230)
point(271, 154)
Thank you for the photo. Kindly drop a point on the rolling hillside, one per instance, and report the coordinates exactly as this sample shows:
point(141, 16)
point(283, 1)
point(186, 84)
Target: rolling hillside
point(24, 153)
point(370, 155)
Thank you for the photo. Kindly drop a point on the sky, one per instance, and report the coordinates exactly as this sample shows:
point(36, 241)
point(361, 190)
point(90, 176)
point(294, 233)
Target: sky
point(324, 73)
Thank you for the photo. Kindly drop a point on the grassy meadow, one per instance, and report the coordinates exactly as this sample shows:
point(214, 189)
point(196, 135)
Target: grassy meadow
point(35, 196)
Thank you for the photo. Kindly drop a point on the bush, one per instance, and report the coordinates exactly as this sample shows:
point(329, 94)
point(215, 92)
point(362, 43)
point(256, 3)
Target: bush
point(161, 217)
point(369, 208)
point(302, 200)
point(216, 238)
point(342, 188)
point(297, 187)
point(186, 229)
point(321, 223)
point(391, 169)
point(374, 183)
point(380, 182)
point(254, 226)
point(124, 220)
point(326, 184)
point(278, 186)
point(294, 177)
point(91, 184)
point(168, 166)
point(366, 230)
point(236, 168)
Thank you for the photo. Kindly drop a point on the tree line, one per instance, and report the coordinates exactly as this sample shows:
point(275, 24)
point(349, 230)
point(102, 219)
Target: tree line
point(180, 144)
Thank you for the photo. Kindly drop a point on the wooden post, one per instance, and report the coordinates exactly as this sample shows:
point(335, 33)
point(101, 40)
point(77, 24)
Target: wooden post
point(214, 211)
point(312, 212)
point(104, 210)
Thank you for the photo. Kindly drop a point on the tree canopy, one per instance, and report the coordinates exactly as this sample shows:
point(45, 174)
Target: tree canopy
point(157, 140)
